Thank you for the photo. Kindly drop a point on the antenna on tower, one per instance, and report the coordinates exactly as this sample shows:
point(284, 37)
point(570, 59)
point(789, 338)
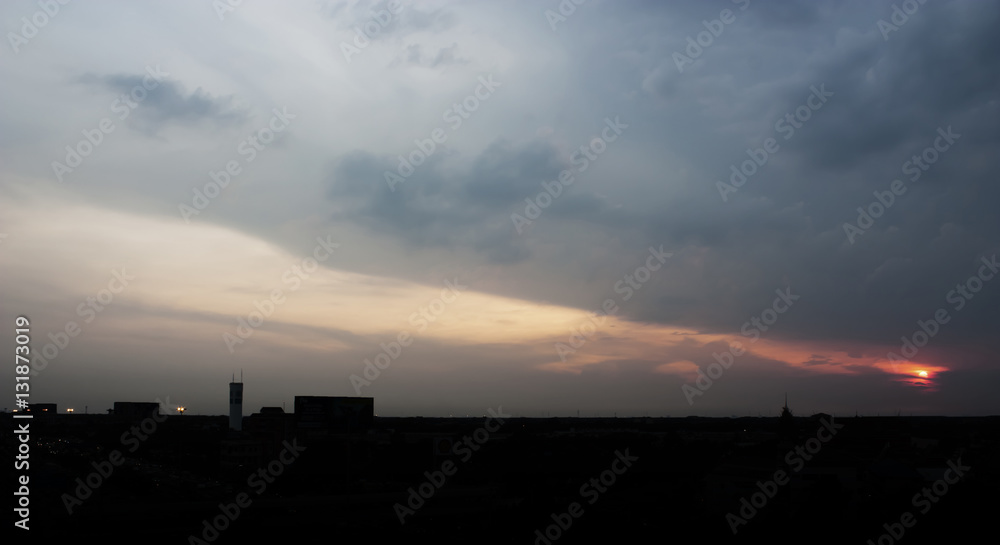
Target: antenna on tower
point(241, 375)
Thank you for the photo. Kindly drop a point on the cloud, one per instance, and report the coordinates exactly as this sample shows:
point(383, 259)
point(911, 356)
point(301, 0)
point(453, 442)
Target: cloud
point(168, 104)
point(656, 185)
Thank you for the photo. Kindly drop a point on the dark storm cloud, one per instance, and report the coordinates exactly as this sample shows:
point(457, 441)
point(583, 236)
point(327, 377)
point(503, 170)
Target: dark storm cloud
point(890, 100)
point(470, 208)
point(784, 227)
point(167, 102)
point(437, 206)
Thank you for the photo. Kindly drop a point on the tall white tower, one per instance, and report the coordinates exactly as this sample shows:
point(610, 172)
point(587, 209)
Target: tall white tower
point(236, 404)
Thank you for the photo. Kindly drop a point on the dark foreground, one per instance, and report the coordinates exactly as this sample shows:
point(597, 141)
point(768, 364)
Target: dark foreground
point(513, 480)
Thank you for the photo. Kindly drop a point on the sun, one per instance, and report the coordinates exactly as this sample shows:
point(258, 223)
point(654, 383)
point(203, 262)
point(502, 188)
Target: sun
point(922, 373)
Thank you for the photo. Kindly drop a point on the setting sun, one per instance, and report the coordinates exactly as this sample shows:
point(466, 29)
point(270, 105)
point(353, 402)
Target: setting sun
point(922, 373)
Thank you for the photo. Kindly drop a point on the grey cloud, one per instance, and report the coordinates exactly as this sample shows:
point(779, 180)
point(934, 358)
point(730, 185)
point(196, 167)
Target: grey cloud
point(168, 103)
point(408, 18)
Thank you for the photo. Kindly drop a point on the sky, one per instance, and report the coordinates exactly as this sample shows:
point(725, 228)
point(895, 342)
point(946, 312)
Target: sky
point(558, 208)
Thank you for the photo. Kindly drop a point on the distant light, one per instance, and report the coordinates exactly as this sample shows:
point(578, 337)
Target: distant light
point(69, 410)
point(181, 410)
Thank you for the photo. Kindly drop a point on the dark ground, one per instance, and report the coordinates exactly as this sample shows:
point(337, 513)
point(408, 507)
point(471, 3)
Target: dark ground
point(687, 474)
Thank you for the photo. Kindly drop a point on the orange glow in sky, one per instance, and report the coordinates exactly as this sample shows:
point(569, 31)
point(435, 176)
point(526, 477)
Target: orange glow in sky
point(233, 270)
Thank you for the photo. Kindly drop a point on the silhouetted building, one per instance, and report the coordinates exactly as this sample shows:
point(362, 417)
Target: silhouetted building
point(236, 404)
point(786, 424)
point(136, 410)
point(271, 426)
point(323, 414)
point(237, 453)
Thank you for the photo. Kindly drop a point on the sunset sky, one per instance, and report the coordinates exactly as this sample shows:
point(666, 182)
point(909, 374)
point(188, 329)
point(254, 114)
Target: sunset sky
point(549, 211)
